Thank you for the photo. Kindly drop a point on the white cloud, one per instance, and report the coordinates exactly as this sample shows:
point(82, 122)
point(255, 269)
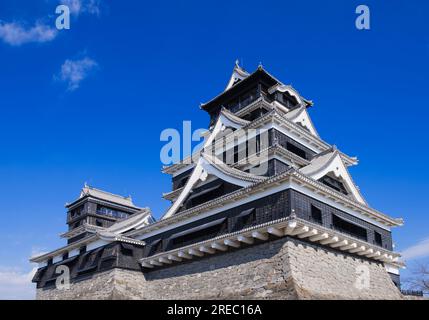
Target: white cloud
point(74, 71)
point(17, 34)
point(419, 250)
point(83, 6)
point(15, 284)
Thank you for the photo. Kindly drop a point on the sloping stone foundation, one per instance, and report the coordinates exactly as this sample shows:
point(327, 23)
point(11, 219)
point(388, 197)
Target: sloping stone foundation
point(283, 269)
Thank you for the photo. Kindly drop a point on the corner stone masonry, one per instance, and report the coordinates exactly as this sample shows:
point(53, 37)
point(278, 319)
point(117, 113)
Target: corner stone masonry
point(282, 269)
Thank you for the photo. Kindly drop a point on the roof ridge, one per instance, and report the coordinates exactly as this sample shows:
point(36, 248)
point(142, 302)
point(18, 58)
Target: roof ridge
point(260, 68)
point(105, 192)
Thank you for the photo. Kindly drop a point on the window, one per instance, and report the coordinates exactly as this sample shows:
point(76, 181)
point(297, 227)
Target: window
point(98, 223)
point(349, 228)
point(334, 184)
point(316, 214)
point(127, 249)
point(235, 153)
point(76, 212)
point(205, 193)
point(294, 149)
point(377, 239)
point(254, 114)
point(258, 143)
point(288, 100)
point(249, 97)
point(246, 217)
point(111, 212)
point(197, 233)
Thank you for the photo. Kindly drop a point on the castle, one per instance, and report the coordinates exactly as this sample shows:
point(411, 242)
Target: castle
point(265, 209)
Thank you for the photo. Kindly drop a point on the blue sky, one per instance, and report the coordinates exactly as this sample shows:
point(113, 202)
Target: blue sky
point(88, 104)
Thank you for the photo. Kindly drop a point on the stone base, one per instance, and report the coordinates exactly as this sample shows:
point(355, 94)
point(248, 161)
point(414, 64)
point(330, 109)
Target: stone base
point(283, 269)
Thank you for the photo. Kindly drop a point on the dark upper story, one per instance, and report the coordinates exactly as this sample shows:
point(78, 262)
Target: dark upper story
point(207, 192)
point(237, 97)
point(243, 150)
point(266, 209)
point(98, 208)
point(243, 93)
point(217, 188)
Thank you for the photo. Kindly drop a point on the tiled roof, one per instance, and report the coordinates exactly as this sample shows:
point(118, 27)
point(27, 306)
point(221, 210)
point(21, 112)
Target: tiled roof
point(107, 196)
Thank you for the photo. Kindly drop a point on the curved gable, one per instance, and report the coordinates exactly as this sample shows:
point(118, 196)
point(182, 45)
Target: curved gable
point(301, 116)
point(332, 163)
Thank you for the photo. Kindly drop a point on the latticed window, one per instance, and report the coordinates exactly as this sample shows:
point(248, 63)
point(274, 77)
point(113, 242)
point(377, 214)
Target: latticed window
point(205, 194)
point(76, 212)
point(199, 233)
point(378, 239)
point(294, 149)
point(334, 184)
point(349, 228)
point(316, 214)
point(245, 219)
point(111, 212)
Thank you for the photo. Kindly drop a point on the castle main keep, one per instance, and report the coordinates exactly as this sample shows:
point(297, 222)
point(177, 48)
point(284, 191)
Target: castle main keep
point(266, 209)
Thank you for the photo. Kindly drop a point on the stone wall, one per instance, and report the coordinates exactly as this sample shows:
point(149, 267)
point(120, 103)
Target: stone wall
point(281, 269)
